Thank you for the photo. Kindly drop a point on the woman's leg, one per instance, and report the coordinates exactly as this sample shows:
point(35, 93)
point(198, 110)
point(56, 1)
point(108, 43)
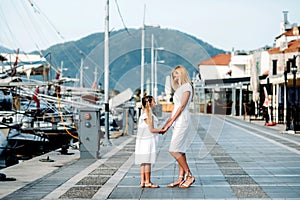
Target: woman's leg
point(181, 173)
point(180, 178)
point(181, 160)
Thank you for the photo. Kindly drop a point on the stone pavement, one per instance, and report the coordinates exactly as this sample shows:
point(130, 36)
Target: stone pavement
point(230, 158)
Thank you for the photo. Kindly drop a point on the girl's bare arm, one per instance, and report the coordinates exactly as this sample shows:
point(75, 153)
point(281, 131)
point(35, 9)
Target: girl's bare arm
point(154, 130)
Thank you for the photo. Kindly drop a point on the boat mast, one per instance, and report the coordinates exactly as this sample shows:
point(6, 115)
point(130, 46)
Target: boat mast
point(143, 56)
point(106, 74)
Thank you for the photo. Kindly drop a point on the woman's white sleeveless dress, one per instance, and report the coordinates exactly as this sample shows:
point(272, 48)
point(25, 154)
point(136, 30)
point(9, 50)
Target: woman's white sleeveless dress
point(181, 135)
point(146, 142)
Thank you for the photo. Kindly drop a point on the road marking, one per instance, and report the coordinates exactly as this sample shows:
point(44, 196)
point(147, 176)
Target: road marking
point(268, 139)
point(107, 188)
point(267, 133)
point(55, 194)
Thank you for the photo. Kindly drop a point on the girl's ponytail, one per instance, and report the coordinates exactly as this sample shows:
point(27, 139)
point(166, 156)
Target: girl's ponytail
point(146, 102)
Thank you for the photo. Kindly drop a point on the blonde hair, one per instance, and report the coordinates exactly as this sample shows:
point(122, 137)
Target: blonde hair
point(183, 77)
point(146, 103)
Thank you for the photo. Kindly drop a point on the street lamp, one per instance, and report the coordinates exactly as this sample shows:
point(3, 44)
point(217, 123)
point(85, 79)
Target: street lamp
point(294, 72)
point(154, 64)
point(155, 70)
point(143, 54)
point(155, 77)
point(142, 60)
point(287, 107)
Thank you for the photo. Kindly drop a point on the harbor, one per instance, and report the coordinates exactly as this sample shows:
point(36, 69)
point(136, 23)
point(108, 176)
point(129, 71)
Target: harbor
point(72, 99)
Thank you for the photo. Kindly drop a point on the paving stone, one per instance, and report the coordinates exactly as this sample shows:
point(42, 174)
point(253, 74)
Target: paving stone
point(103, 171)
point(93, 180)
point(86, 192)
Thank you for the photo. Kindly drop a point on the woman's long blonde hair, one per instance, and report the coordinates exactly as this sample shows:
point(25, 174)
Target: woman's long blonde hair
point(183, 77)
point(146, 103)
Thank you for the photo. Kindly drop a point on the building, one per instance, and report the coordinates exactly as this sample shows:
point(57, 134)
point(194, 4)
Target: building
point(242, 82)
point(225, 80)
point(284, 76)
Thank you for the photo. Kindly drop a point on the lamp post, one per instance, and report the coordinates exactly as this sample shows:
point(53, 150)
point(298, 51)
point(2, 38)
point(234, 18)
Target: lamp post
point(287, 115)
point(143, 29)
point(155, 71)
point(294, 72)
point(142, 59)
point(154, 65)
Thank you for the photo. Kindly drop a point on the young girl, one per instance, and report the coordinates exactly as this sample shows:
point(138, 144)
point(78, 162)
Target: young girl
point(146, 142)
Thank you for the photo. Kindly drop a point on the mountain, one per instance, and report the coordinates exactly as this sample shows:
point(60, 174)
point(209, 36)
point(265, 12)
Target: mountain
point(5, 50)
point(125, 56)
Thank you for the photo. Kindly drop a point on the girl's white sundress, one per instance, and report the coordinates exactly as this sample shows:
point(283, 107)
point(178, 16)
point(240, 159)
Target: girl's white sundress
point(181, 135)
point(146, 142)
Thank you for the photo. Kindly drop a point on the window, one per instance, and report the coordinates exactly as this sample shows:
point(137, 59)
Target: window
point(274, 64)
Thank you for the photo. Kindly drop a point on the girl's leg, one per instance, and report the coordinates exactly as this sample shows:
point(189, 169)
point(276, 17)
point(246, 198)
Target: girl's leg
point(148, 183)
point(142, 174)
point(147, 173)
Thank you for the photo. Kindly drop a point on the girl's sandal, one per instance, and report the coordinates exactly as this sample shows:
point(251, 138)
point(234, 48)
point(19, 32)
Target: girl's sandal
point(188, 182)
point(142, 185)
point(179, 181)
point(151, 185)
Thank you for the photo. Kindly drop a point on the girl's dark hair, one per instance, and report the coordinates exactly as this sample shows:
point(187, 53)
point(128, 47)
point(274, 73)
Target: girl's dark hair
point(146, 99)
point(146, 103)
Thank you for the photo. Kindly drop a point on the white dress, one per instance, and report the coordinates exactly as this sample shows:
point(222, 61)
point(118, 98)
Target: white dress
point(146, 142)
point(181, 135)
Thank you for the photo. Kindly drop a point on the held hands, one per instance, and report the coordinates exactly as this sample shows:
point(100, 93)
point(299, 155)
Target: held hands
point(165, 128)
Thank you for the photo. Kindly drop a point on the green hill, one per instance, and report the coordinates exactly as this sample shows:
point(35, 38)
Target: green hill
point(125, 56)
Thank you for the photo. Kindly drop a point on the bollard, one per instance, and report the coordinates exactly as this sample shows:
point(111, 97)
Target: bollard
point(128, 118)
point(89, 133)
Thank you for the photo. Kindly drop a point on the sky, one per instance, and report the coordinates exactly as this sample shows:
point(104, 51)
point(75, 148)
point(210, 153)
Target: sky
point(225, 24)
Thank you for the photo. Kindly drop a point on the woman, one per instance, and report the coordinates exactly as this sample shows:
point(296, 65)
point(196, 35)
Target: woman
point(180, 120)
point(146, 142)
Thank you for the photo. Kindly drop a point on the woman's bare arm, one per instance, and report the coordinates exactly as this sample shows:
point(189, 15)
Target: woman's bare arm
point(184, 101)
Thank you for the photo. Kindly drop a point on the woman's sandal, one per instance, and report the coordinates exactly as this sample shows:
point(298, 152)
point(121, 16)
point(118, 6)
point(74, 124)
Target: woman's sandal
point(142, 185)
point(179, 181)
point(188, 182)
point(150, 185)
